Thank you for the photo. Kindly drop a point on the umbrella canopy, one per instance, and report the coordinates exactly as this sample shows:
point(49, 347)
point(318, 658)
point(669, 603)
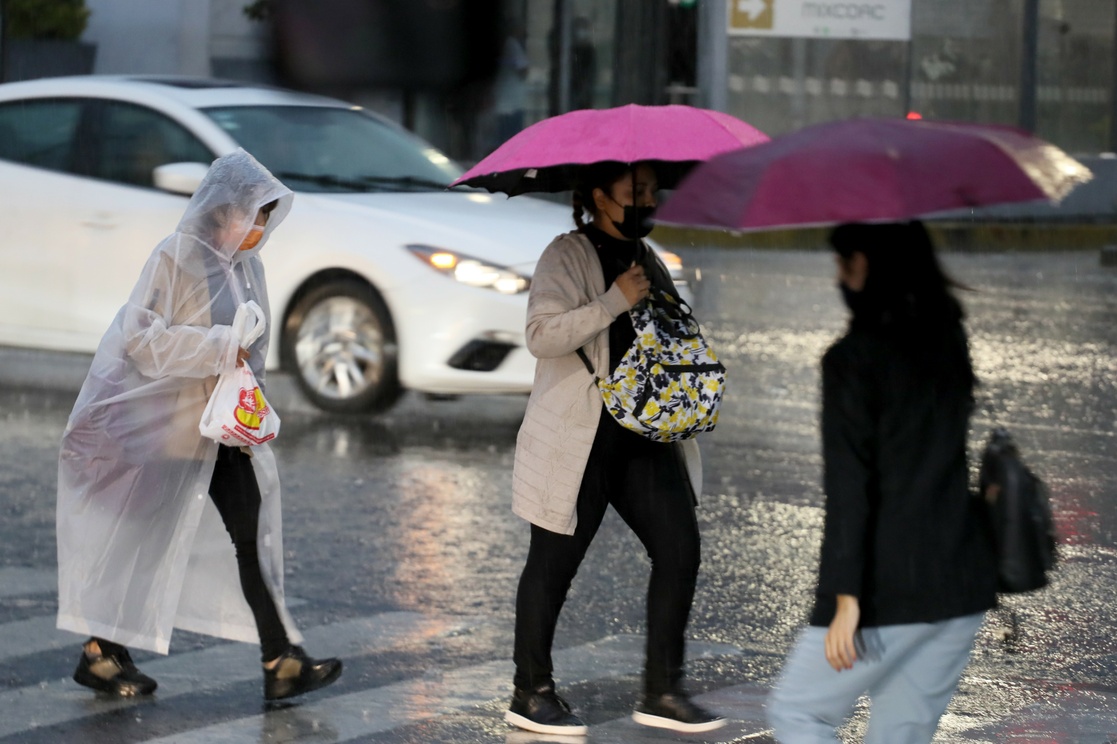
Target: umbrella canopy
point(546, 156)
point(871, 170)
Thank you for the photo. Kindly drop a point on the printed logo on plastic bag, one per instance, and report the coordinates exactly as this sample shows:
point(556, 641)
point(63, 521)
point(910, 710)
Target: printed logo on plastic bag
point(252, 408)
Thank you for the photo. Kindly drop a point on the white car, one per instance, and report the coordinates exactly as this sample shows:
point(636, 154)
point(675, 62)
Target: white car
point(380, 279)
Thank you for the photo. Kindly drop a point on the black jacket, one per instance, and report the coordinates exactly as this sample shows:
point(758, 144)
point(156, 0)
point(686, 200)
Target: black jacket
point(902, 531)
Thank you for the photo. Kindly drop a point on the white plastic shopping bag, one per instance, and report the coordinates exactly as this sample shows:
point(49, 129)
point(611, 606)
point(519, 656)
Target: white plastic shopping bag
point(237, 414)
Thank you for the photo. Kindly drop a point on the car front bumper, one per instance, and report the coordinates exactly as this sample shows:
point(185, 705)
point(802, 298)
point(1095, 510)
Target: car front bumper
point(453, 338)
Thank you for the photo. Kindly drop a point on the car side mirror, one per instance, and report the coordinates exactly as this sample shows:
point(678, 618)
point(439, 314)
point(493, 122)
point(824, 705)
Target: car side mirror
point(179, 178)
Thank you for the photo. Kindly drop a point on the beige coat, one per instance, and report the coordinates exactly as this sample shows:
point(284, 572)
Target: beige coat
point(568, 307)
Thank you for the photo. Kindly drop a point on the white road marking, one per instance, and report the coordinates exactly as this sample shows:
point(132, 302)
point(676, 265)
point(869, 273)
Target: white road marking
point(350, 716)
point(55, 702)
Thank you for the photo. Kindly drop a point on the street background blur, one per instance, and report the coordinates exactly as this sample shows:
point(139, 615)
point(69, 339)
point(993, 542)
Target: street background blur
point(1042, 63)
point(467, 75)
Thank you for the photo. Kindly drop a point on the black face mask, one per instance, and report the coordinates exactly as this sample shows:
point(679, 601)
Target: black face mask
point(854, 300)
point(636, 223)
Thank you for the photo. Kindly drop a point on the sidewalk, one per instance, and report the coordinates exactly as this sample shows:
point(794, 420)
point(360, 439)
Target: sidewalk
point(64, 372)
point(961, 237)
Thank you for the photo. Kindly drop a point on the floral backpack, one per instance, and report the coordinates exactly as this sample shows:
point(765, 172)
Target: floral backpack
point(668, 386)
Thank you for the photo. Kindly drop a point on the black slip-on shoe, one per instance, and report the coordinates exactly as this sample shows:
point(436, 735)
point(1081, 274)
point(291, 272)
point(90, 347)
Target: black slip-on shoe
point(677, 712)
point(297, 673)
point(114, 673)
point(542, 711)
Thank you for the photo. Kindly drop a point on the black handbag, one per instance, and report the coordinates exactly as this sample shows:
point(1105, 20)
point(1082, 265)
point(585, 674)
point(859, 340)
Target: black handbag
point(1019, 515)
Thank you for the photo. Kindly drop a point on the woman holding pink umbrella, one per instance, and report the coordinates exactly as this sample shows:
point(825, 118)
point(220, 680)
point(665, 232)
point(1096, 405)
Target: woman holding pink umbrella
point(573, 459)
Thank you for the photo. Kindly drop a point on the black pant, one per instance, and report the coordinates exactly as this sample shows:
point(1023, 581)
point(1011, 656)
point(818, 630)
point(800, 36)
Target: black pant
point(647, 484)
point(236, 495)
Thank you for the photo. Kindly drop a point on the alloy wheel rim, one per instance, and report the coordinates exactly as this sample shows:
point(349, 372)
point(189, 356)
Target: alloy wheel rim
point(339, 348)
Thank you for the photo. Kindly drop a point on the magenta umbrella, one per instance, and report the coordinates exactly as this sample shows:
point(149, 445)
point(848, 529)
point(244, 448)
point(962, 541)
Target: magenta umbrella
point(870, 170)
point(546, 156)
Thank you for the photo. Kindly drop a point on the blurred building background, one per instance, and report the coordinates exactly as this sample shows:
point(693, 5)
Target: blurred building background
point(1047, 65)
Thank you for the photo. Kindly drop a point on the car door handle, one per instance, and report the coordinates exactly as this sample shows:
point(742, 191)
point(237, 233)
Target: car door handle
point(101, 221)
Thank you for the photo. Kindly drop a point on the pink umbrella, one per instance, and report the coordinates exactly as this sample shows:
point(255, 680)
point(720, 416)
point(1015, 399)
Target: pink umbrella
point(546, 155)
point(870, 170)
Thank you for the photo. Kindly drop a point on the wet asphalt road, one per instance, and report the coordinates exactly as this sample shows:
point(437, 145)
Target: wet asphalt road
point(403, 556)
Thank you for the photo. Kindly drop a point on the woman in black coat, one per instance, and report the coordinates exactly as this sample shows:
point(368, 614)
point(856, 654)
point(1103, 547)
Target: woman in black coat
point(906, 571)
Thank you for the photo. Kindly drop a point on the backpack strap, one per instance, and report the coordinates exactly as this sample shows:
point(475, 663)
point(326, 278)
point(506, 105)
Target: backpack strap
point(656, 271)
point(586, 361)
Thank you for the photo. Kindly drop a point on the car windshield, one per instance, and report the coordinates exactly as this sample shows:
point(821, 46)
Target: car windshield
point(322, 149)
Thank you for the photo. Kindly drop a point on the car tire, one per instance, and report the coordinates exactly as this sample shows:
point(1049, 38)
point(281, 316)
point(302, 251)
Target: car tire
point(340, 343)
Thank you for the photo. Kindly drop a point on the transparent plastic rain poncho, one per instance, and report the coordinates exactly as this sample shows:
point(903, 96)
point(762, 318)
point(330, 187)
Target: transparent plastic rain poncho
point(141, 547)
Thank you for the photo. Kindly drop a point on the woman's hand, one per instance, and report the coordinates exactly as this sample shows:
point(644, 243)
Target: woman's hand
point(634, 284)
point(242, 356)
point(840, 649)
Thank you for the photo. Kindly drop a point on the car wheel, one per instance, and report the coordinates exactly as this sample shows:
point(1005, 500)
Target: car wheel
point(339, 341)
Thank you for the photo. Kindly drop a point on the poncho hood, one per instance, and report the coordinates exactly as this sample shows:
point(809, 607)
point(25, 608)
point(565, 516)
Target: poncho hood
point(224, 207)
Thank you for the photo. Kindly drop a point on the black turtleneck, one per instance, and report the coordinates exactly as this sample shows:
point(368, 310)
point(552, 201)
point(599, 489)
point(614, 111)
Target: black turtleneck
point(616, 255)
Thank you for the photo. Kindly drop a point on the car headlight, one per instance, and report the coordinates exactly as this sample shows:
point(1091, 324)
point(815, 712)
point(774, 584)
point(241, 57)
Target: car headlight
point(671, 260)
point(471, 271)
point(674, 266)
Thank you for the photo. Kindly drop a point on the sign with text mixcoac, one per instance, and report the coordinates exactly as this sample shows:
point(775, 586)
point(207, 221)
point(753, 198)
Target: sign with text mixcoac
point(822, 19)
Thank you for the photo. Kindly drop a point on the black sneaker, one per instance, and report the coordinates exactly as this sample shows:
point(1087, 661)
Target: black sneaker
point(113, 673)
point(675, 711)
point(541, 710)
point(297, 673)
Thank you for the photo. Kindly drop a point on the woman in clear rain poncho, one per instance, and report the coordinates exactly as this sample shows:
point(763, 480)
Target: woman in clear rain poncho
point(142, 496)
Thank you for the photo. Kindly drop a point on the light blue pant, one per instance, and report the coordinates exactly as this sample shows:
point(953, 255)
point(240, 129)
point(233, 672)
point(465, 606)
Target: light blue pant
point(910, 673)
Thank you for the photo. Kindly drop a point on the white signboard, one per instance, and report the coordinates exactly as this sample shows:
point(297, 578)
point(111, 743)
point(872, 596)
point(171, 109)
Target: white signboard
point(825, 19)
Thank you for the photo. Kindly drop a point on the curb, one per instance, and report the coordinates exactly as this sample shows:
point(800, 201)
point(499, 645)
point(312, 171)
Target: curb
point(64, 372)
point(984, 237)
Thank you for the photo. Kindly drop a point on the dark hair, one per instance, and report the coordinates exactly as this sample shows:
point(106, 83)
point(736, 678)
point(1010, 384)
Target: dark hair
point(907, 296)
point(218, 216)
point(906, 283)
point(600, 175)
